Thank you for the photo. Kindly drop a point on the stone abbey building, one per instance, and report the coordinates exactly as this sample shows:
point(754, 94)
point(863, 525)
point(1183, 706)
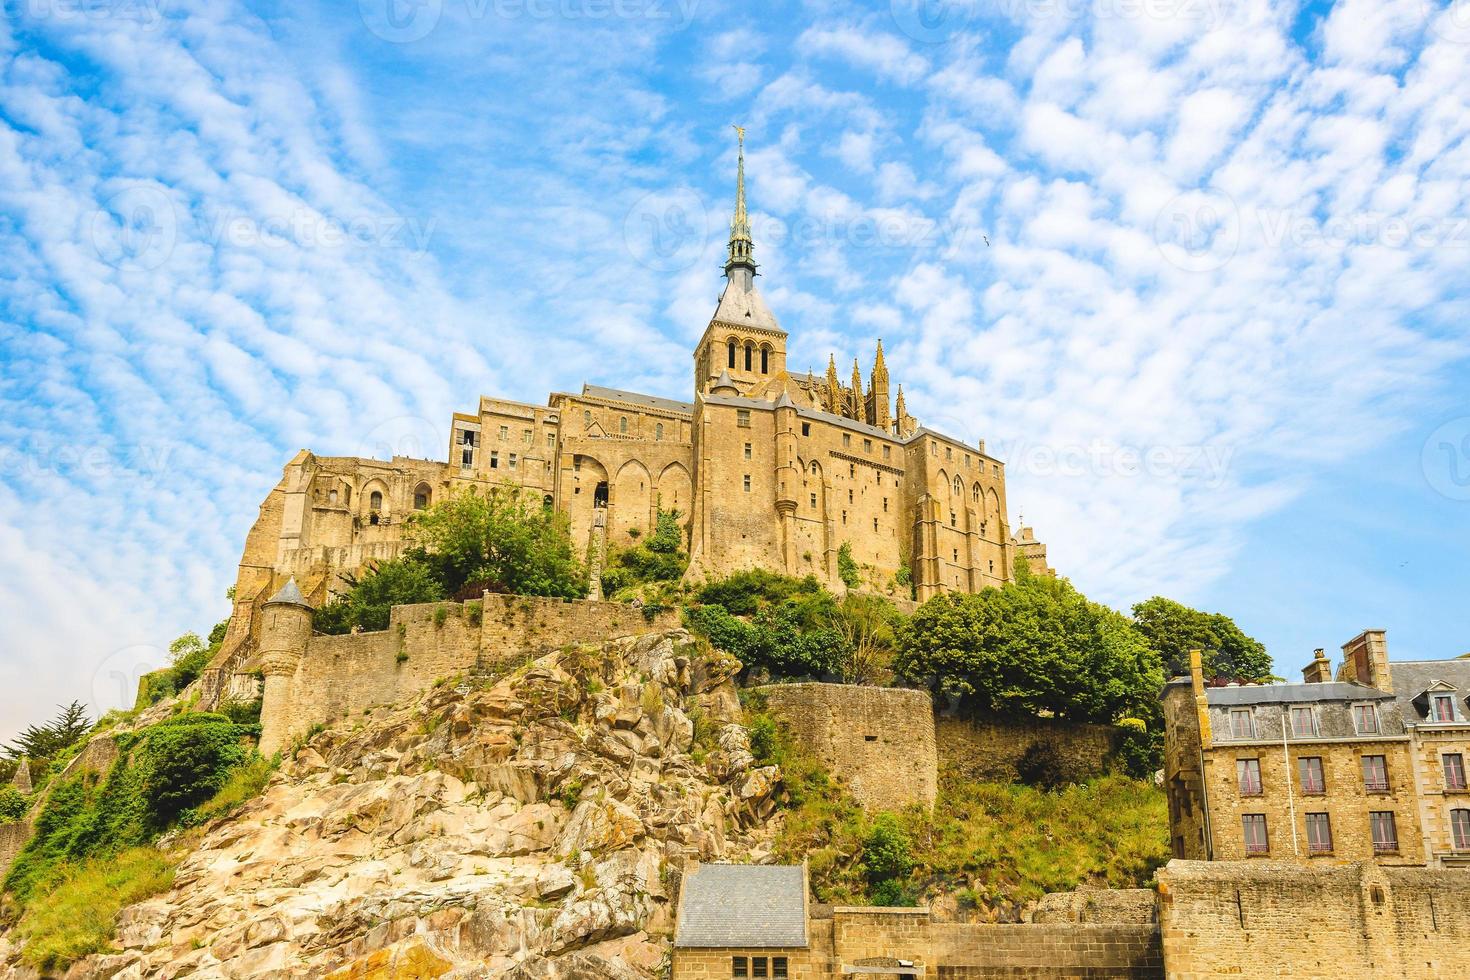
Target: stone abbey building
point(766, 469)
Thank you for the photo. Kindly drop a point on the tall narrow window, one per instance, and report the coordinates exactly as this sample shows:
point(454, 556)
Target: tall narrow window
point(1313, 783)
point(1385, 833)
point(1366, 718)
point(732, 364)
point(749, 350)
point(1253, 827)
point(375, 501)
point(494, 460)
point(765, 360)
point(1248, 771)
point(1375, 774)
point(504, 432)
point(658, 432)
point(747, 483)
point(1460, 829)
point(1242, 724)
point(1303, 722)
point(623, 424)
point(1319, 833)
point(1454, 770)
point(467, 458)
point(1444, 707)
point(747, 450)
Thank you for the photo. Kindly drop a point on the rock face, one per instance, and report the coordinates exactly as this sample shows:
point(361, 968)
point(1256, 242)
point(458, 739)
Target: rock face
point(528, 827)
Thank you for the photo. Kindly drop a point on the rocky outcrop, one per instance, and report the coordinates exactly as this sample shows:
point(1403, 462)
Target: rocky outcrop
point(531, 826)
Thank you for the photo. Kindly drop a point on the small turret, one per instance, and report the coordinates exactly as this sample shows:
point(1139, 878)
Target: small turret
point(879, 413)
point(284, 633)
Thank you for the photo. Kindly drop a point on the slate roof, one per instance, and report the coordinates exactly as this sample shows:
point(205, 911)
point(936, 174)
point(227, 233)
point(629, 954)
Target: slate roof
point(743, 306)
point(1293, 693)
point(290, 593)
point(1412, 678)
point(634, 398)
point(743, 905)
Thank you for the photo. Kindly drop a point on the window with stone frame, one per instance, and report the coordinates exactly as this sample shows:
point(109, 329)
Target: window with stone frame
point(1454, 770)
point(1303, 722)
point(1253, 829)
point(1375, 773)
point(778, 968)
point(1460, 829)
point(1319, 833)
point(1443, 708)
point(1242, 723)
point(1385, 832)
point(742, 417)
point(739, 965)
point(1248, 775)
point(1313, 781)
point(757, 963)
point(1365, 717)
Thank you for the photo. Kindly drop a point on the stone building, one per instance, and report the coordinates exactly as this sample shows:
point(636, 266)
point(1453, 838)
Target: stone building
point(766, 469)
point(1359, 764)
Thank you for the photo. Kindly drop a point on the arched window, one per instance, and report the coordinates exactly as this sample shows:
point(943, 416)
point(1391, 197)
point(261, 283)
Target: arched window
point(375, 502)
point(623, 424)
point(815, 468)
point(959, 486)
point(658, 431)
point(421, 496)
point(975, 493)
point(765, 360)
point(731, 345)
point(749, 351)
point(587, 417)
point(547, 502)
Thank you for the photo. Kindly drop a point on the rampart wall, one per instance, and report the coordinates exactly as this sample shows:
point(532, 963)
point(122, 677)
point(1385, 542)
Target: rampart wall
point(989, 748)
point(1269, 919)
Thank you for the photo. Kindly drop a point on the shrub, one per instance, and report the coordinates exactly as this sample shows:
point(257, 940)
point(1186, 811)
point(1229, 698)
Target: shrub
point(774, 642)
point(893, 894)
point(747, 593)
point(241, 712)
point(13, 804)
point(763, 738)
point(371, 596)
point(847, 568)
point(1140, 751)
point(887, 852)
point(244, 783)
point(659, 559)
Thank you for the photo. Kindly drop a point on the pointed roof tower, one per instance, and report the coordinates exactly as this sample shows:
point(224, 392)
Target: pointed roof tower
point(834, 388)
point(879, 389)
point(742, 247)
point(859, 410)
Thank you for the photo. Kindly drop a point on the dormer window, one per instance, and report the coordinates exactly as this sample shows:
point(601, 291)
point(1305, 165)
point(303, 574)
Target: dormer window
point(1303, 722)
point(1242, 724)
point(1442, 707)
point(1365, 717)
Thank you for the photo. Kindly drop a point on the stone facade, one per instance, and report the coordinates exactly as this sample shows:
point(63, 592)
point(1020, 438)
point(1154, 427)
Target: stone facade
point(1345, 753)
point(312, 679)
point(767, 469)
point(1268, 919)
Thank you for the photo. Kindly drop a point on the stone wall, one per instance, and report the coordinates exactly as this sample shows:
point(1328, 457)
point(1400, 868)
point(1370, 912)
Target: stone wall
point(1261, 919)
point(13, 837)
point(878, 740)
point(989, 748)
point(338, 677)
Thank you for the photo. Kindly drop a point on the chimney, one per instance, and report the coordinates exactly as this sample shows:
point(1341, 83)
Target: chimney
point(1319, 671)
point(1365, 660)
point(1201, 705)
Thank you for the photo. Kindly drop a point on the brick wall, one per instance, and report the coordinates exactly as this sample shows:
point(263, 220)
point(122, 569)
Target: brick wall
point(1254, 919)
point(989, 748)
point(878, 740)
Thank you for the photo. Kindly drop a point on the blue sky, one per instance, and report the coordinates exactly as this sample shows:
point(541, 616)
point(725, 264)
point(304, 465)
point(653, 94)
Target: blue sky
point(1197, 269)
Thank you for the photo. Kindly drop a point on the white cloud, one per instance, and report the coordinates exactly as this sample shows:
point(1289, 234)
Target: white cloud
point(885, 55)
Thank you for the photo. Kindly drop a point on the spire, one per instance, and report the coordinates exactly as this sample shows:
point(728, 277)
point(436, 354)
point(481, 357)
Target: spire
point(834, 390)
point(902, 413)
point(859, 411)
point(742, 248)
point(881, 417)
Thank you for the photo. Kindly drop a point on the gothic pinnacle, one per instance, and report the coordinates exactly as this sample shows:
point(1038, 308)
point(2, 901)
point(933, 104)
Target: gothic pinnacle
point(742, 247)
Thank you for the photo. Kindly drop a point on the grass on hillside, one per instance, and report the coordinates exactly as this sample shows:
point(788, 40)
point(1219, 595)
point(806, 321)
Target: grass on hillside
point(77, 914)
point(994, 845)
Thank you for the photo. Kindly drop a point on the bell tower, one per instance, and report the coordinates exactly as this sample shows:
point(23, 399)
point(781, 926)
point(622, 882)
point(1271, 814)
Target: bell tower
point(743, 343)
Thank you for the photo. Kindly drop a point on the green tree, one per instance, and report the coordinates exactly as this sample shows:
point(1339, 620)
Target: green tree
point(847, 567)
point(371, 596)
point(1035, 645)
point(1172, 629)
point(498, 540)
point(41, 742)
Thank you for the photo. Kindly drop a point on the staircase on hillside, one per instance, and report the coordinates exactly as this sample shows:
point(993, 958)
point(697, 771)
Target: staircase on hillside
point(596, 552)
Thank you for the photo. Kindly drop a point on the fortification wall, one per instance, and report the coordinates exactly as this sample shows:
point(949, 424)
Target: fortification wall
point(962, 950)
point(989, 748)
point(13, 837)
point(338, 677)
point(1267, 919)
point(879, 740)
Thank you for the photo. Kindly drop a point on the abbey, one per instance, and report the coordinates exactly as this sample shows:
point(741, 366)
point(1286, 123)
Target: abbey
point(765, 468)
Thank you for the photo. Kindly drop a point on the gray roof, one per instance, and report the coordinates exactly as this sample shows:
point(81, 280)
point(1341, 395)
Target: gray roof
point(634, 398)
point(1412, 678)
point(743, 905)
point(741, 304)
point(290, 594)
point(1293, 693)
